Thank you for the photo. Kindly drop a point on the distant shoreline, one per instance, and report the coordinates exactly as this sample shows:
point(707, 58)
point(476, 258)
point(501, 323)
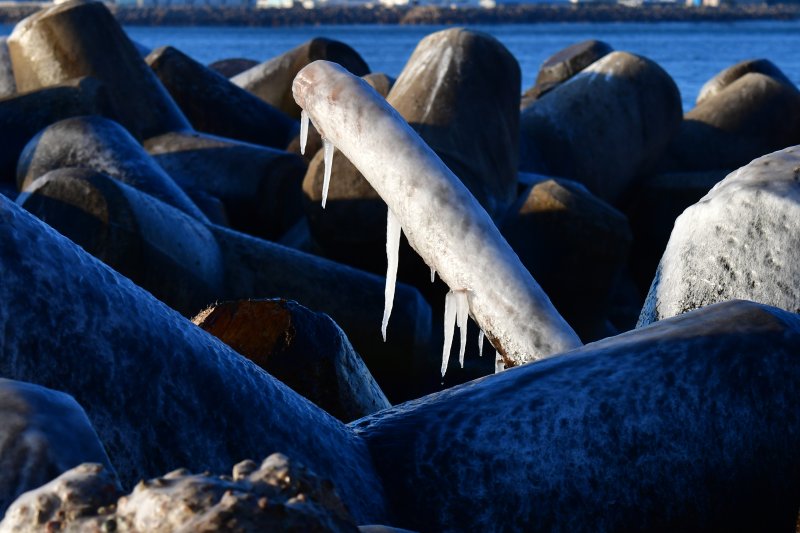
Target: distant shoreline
point(506, 14)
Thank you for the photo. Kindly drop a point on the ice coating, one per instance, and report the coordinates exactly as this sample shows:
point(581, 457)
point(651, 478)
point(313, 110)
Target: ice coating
point(440, 218)
point(480, 343)
point(393, 231)
point(327, 147)
point(462, 312)
point(449, 328)
point(303, 131)
point(740, 241)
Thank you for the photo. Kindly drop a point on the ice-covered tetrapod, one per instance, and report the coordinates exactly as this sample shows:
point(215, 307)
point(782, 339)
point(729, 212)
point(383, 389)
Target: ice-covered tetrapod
point(440, 218)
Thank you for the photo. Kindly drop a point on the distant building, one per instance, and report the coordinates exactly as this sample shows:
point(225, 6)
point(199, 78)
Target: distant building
point(186, 3)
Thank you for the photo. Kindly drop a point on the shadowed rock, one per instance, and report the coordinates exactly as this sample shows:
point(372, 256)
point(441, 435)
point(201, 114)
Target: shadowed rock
point(753, 116)
point(278, 495)
point(741, 240)
point(604, 127)
point(351, 228)
point(72, 322)
point(563, 65)
point(8, 87)
point(574, 245)
point(188, 265)
point(24, 115)
point(354, 299)
point(652, 211)
point(305, 350)
point(259, 186)
point(460, 91)
point(272, 80)
point(82, 38)
point(689, 425)
point(733, 73)
point(232, 66)
point(103, 145)
point(215, 105)
point(43, 433)
point(172, 256)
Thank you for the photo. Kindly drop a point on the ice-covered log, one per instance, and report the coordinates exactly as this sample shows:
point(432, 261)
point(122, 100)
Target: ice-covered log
point(441, 219)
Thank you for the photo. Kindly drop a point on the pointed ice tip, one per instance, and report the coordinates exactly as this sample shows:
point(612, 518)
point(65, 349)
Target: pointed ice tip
point(303, 131)
point(327, 147)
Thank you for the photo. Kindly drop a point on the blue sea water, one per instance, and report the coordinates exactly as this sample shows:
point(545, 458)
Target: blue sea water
point(691, 52)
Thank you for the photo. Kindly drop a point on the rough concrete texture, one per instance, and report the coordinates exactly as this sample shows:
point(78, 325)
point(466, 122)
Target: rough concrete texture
point(277, 495)
point(692, 424)
point(160, 392)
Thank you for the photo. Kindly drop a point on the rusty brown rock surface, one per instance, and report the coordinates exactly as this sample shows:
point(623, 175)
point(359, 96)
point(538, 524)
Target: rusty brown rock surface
point(305, 350)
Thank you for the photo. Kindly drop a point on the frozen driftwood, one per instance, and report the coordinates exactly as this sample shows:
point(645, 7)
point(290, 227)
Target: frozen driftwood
point(441, 219)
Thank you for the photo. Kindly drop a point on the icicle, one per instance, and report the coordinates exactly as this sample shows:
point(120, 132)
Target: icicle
point(393, 231)
point(480, 343)
point(327, 147)
point(462, 311)
point(449, 327)
point(433, 274)
point(499, 364)
point(303, 131)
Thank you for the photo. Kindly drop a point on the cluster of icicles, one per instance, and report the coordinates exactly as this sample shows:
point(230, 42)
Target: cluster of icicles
point(456, 303)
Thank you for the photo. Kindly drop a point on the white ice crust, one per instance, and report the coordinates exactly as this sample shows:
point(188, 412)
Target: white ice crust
point(740, 241)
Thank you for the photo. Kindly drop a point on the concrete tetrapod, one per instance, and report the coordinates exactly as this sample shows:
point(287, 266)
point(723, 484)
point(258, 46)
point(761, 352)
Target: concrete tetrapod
point(443, 222)
point(692, 424)
point(160, 392)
